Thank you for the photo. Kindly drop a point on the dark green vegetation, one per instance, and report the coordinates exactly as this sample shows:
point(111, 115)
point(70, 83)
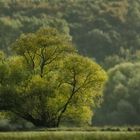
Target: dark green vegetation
point(122, 96)
point(101, 29)
point(63, 135)
point(108, 31)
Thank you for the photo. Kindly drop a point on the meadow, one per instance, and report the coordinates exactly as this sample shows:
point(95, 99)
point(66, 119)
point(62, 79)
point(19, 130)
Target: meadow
point(71, 135)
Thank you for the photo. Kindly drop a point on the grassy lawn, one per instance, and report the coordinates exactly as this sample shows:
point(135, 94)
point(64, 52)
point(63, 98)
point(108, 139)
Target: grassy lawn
point(69, 135)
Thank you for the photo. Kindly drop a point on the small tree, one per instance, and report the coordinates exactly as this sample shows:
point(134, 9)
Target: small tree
point(48, 81)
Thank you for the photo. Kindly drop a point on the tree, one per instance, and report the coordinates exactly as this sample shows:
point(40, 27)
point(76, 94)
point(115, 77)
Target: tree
point(121, 104)
point(48, 82)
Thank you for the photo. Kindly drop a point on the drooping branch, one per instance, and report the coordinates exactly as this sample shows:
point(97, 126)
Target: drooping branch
point(48, 60)
point(69, 99)
point(30, 59)
point(75, 90)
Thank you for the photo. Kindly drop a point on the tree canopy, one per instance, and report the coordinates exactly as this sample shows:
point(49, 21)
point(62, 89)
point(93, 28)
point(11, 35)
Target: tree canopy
point(46, 82)
point(100, 29)
point(121, 96)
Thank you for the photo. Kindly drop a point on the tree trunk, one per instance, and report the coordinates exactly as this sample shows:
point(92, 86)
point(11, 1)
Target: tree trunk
point(40, 122)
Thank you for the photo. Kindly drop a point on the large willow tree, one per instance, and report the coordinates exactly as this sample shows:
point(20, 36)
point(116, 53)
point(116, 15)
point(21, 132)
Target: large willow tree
point(46, 82)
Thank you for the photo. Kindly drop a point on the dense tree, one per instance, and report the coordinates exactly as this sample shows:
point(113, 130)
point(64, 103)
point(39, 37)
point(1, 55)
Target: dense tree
point(48, 82)
point(121, 104)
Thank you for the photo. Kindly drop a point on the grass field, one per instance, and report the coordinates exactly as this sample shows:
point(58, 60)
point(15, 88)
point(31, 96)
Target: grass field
point(69, 135)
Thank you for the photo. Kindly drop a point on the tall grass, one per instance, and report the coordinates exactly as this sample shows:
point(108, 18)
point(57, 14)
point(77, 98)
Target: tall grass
point(70, 135)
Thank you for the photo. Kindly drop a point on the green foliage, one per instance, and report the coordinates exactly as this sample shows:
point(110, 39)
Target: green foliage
point(48, 82)
point(106, 30)
point(121, 96)
point(99, 28)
